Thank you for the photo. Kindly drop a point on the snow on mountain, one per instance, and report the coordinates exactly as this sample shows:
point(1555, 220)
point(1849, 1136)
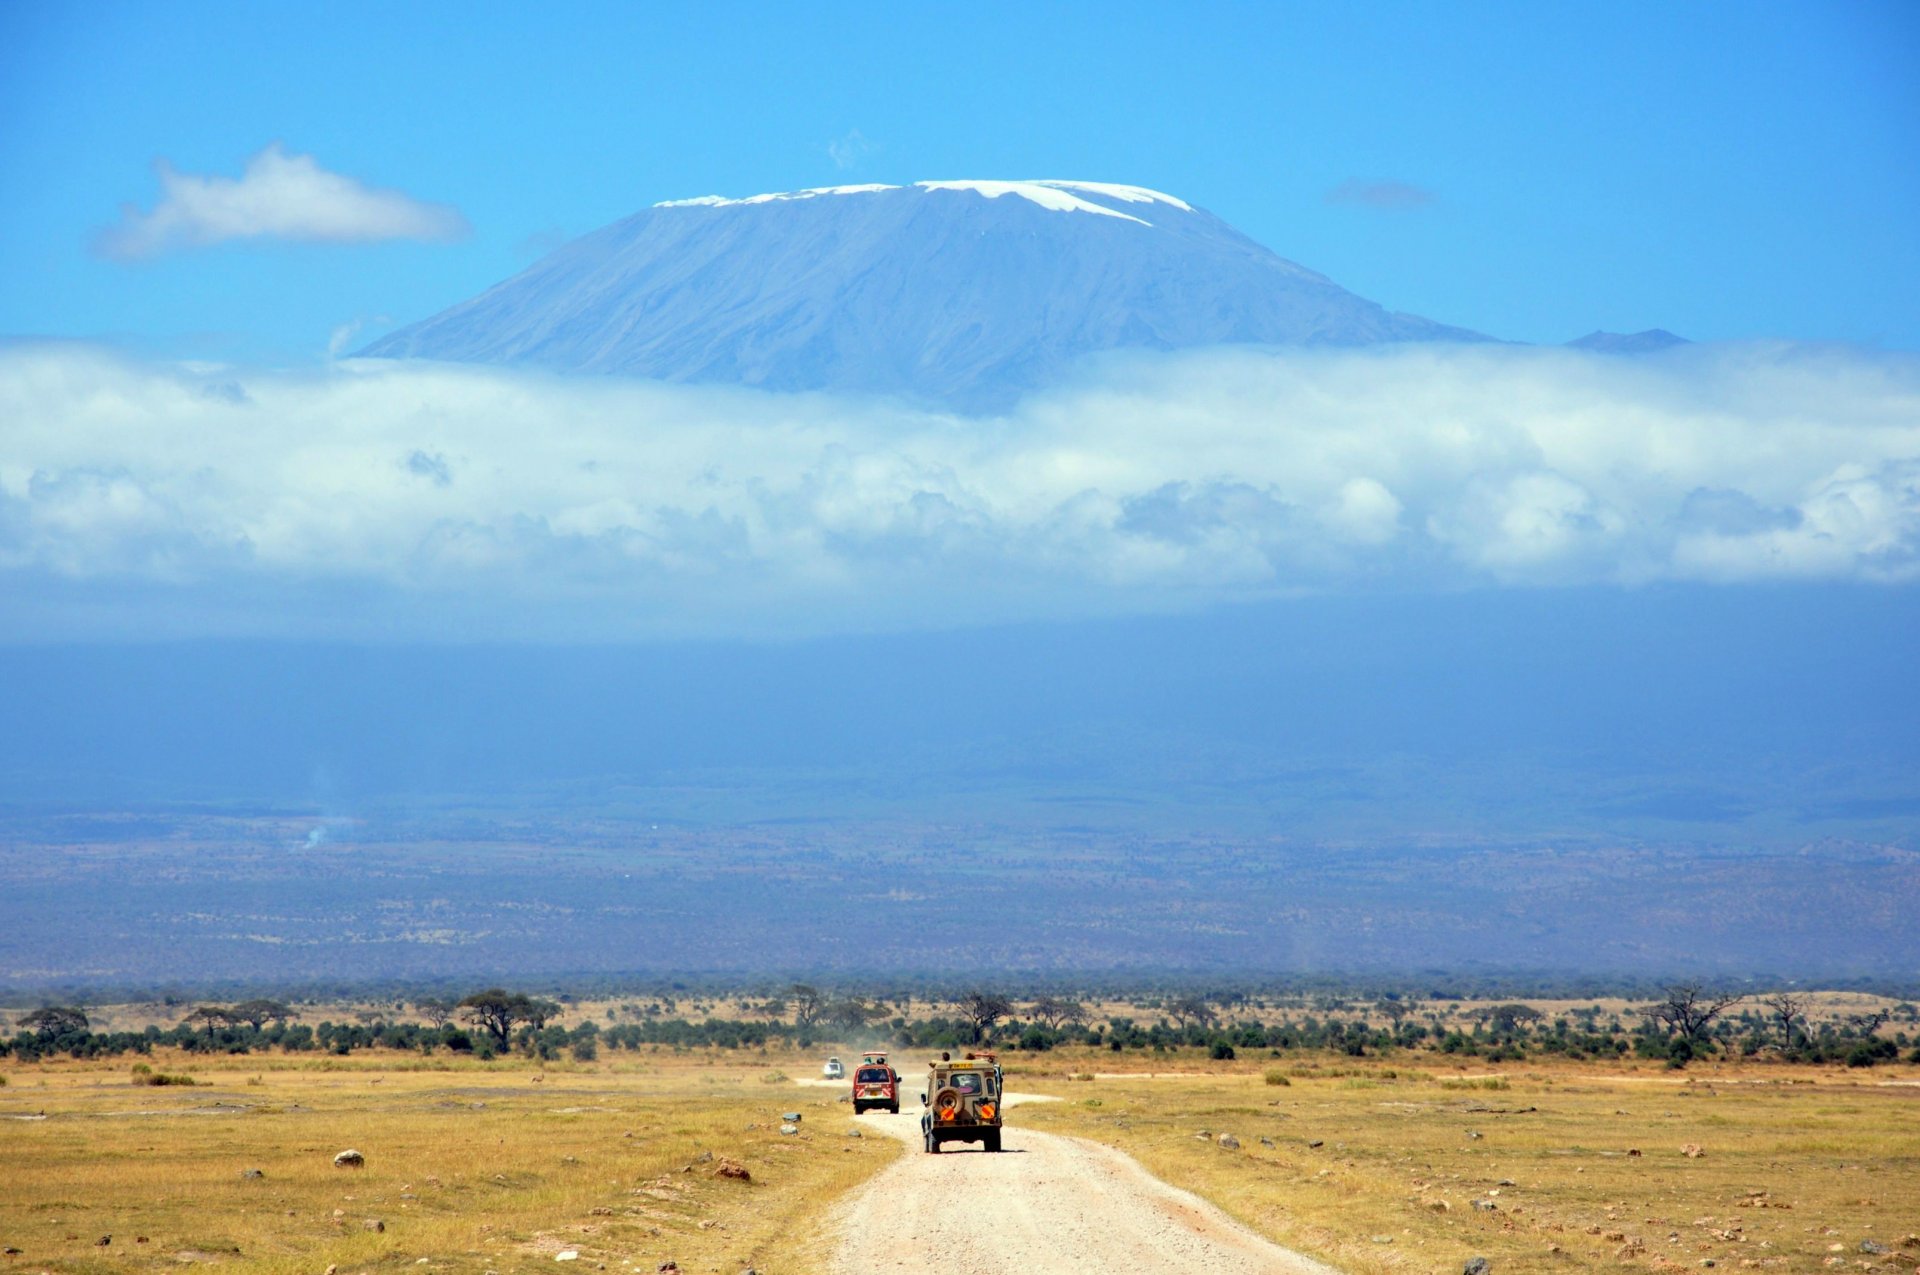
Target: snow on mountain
point(966, 293)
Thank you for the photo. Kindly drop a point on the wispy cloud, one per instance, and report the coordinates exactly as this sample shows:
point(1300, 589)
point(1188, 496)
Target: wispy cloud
point(847, 151)
point(482, 501)
point(1392, 196)
point(279, 196)
point(342, 335)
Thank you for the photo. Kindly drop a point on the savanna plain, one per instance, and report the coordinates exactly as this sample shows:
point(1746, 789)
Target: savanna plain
point(666, 1158)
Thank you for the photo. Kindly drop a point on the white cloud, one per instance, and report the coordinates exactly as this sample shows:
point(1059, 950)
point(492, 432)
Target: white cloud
point(342, 335)
point(470, 501)
point(848, 151)
point(280, 196)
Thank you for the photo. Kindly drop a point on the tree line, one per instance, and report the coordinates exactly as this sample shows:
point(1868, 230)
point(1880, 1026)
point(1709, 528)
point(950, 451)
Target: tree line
point(1688, 1022)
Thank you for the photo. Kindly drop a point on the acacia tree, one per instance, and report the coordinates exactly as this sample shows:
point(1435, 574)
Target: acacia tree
point(807, 1004)
point(537, 1012)
point(1788, 1011)
point(1690, 1009)
point(1397, 1008)
point(982, 1010)
point(435, 1011)
point(1866, 1026)
point(497, 1010)
point(213, 1017)
point(1196, 1010)
point(255, 1013)
point(54, 1021)
point(1053, 1011)
point(850, 1012)
point(1507, 1019)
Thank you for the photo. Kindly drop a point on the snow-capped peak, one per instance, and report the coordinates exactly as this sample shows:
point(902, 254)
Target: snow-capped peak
point(1056, 196)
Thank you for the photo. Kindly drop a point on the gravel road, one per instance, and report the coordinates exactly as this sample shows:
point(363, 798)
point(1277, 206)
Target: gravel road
point(1045, 1204)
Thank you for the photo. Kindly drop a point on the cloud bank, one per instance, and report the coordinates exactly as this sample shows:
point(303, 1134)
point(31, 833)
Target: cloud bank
point(280, 196)
point(379, 498)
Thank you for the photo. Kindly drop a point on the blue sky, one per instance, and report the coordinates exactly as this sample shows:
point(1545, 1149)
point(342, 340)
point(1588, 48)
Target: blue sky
point(1689, 577)
point(185, 458)
point(1728, 171)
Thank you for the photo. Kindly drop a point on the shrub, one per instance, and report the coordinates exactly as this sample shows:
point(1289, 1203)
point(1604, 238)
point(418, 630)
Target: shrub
point(1274, 1076)
point(1221, 1051)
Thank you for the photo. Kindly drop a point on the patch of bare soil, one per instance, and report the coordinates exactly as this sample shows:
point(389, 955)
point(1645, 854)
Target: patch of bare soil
point(1045, 1204)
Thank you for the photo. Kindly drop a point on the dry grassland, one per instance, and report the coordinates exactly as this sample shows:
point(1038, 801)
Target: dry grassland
point(1378, 1167)
point(502, 1166)
point(469, 1166)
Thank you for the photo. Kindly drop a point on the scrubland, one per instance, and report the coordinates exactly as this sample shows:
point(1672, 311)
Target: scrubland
point(1375, 1165)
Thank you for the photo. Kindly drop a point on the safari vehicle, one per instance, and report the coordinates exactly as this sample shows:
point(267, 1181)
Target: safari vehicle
point(875, 1084)
point(962, 1101)
point(833, 1070)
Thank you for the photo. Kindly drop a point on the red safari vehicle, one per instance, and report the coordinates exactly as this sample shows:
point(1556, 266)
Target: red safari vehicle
point(875, 1084)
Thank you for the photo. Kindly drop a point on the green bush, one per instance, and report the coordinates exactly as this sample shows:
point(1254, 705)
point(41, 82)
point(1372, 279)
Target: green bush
point(1274, 1076)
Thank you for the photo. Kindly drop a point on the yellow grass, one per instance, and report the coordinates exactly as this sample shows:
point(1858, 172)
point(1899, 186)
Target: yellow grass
point(1796, 1161)
point(469, 1167)
point(499, 1166)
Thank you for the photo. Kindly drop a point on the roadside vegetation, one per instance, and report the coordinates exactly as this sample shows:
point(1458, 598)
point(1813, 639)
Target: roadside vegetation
point(502, 1129)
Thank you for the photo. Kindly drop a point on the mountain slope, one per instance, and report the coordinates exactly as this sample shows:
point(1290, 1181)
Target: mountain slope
point(965, 293)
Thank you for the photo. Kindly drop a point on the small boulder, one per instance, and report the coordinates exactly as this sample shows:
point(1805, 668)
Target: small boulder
point(567, 1255)
point(732, 1169)
point(1874, 1246)
point(103, 1241)
point(1476, 1266)
point(373, 1224)
point(251, 1175)
point(789, 1130)
point(1229, 1142)
point(349, 1159)
point(1693, 1151)
point(791, 1117)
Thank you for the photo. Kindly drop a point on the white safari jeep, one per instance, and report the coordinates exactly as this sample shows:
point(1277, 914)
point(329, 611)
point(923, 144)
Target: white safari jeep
point(962, 1102)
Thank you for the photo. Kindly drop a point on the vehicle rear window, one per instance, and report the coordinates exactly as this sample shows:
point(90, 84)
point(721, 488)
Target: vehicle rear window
point(872, 1075)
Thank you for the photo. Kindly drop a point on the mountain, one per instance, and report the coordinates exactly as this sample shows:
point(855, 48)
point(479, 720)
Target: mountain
point(966, 293)
point(1648, 342)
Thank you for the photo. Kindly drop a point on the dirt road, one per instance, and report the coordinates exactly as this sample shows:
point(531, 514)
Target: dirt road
point(1045, 1204)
